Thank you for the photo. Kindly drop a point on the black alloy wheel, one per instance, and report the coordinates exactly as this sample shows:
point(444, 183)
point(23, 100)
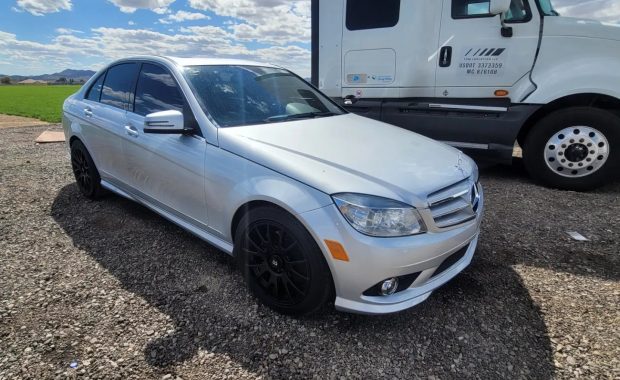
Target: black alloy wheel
point(281, 262)
point(276, 263)
point(84, 170)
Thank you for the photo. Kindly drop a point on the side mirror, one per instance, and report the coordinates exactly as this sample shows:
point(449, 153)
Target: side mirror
point(350, 100)
point(501, 7)
point(498, 7)
point(165, 123)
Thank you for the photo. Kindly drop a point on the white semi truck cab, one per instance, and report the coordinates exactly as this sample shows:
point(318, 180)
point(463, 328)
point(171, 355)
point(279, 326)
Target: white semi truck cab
point(481, 75)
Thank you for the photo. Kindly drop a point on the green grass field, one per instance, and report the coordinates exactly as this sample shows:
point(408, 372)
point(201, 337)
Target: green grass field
point(39, 102)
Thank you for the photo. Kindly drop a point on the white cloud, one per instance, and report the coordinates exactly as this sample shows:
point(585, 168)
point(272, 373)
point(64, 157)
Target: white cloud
point(131, 23)
point(67, 31)
point(181, 16)
point(31, 55)
point(130, 6)
point(41, 7)
point(107, 44)
point(269, 21)
point(602, 10)
point(280, 24)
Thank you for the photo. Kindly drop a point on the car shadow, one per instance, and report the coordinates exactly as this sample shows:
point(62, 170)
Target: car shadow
point(482, 324)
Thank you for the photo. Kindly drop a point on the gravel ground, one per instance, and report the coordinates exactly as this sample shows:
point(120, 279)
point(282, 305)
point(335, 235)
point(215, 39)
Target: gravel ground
point(123, 294)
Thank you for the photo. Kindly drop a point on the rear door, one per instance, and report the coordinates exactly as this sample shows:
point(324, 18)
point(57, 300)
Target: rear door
point(474, 58)
point(105, 108)
point(167, 170)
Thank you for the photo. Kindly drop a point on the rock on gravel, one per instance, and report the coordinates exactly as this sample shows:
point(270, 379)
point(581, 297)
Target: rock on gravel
point(109, 290)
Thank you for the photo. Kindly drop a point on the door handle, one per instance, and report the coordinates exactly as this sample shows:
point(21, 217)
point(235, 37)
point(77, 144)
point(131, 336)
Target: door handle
point(445, 56)
point(88, 112)
point(131, 131)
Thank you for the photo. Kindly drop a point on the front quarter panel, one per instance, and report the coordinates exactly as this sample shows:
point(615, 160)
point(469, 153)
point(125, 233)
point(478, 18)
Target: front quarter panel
point(232, 181)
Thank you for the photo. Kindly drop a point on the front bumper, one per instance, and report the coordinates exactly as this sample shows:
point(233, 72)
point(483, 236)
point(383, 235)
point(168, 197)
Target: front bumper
point(372, 260)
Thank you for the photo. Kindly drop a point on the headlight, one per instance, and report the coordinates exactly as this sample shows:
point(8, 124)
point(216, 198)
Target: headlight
point(376, 216)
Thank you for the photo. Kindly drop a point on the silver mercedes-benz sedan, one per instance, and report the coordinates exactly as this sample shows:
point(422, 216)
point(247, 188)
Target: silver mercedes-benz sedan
point(314, 202)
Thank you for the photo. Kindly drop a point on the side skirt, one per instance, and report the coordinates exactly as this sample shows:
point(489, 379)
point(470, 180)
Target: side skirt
point(170, 215)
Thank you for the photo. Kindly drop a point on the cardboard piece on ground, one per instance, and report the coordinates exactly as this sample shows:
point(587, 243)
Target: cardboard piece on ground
point(50, 137)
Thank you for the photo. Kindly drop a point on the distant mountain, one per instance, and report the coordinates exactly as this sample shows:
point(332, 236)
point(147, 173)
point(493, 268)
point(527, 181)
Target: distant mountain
point(68, 74)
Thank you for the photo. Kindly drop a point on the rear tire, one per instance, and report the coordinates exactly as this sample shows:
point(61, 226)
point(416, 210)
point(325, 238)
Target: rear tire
point(574, 149)
point(85, 172)
point(281, 263)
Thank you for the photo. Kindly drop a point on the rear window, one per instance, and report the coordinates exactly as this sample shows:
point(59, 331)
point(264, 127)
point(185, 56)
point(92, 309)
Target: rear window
point(117, 85)
point(372, 14)
point(94, 92)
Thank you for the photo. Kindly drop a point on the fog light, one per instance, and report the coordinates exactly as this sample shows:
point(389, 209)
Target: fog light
point(389, 286)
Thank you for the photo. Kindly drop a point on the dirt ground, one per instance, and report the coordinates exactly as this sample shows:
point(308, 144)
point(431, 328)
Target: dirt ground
point(110, 290)
point(8, 121)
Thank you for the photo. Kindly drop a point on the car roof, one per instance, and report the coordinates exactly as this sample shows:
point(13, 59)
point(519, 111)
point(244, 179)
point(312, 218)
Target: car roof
point(197, 61)
point(214, 61)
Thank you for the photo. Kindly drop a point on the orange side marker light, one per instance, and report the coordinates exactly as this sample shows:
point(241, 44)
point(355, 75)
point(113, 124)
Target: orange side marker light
point(337, 250)
point(501, 93)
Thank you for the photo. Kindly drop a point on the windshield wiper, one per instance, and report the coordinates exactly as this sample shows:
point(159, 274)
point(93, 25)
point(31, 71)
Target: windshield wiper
point(305, 115)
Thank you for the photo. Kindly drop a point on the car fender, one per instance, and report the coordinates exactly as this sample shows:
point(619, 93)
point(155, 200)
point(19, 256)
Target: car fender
point(230, 190)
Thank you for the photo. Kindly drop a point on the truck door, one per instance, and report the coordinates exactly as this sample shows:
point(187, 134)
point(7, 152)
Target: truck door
point(475, 59)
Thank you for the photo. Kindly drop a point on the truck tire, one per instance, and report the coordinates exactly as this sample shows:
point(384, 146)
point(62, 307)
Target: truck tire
point(574, 149)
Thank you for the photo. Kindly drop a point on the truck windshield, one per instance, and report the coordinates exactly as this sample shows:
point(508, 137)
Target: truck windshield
point(546, 6)
point(236, 95)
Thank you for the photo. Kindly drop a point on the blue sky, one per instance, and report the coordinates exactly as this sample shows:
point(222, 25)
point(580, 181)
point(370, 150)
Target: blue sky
point(45, 36)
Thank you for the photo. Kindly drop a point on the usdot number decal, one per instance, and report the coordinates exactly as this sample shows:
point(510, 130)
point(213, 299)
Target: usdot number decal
point(482, 62)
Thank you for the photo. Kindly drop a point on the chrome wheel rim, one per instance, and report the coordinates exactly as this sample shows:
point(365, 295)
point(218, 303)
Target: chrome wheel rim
point(576, 151)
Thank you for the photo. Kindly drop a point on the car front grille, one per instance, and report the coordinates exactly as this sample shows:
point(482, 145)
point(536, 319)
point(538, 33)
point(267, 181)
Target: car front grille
point(455, 204)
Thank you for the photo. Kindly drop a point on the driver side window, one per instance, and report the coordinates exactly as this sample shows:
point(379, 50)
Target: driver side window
point(157, 91)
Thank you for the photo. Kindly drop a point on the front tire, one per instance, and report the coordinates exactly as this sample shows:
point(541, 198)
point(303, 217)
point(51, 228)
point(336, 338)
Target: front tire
point(281, 263)
point(574, 149)
point(85, 172)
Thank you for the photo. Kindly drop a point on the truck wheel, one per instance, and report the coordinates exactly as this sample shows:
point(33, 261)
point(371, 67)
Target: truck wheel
point(574, 149)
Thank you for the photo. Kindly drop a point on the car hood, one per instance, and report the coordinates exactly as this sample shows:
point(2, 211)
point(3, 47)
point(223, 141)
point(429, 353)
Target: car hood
point(575, 27)
point(350, 153)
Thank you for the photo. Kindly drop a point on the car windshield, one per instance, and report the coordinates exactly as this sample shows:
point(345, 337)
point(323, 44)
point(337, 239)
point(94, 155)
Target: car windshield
point(242, 95)
point(547, 8)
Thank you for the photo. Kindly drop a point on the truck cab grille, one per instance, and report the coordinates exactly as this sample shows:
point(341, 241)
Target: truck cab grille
point(455, 204)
